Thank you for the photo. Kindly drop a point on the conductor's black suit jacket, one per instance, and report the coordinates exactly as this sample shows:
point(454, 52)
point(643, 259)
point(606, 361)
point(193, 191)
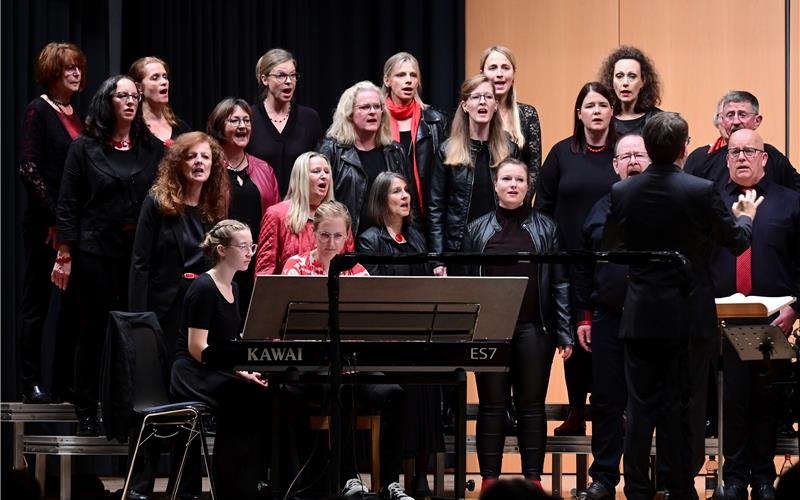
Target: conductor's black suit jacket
point(665, 209)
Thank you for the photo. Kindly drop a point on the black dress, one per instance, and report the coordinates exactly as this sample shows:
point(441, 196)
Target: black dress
point(245, 207)
point(302, 132)
point(241, 408)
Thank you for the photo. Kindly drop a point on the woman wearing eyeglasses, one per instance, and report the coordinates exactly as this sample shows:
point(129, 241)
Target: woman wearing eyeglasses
point(520, 121)
point(637, 86)
point(187, 198)
point(282, 129)
point(51, 124)
point(151, 75)
point(332, 224)
point(461, 188)
point(240, 400)
point(577, 172)
point(107, 174)
point(253, 186)
point(359, 146)
point(414, 124)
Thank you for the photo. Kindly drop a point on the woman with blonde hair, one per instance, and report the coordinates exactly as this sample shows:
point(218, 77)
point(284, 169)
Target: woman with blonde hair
point(282, 129)
point(359, 146)
point(520, 120)
point(461, 188)
point(287, 227)
point(151, 75)
point(417, 126)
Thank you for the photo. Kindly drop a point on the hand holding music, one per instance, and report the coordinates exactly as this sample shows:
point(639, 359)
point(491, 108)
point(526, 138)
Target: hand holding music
point(440, 271)
point(747, 204)
point(785, 320)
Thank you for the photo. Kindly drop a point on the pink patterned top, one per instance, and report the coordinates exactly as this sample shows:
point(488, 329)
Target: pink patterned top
point(305, 264)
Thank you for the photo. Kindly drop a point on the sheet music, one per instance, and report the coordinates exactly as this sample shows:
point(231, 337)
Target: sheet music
point(766, 306)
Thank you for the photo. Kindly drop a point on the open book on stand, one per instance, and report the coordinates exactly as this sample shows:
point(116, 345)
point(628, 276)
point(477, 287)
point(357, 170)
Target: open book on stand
point(750, 306)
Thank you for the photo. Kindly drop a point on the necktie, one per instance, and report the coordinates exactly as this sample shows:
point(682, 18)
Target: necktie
point(744, 272)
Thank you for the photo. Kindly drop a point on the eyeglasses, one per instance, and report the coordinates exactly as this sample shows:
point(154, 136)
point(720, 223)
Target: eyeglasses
point(731, 115)
point(239, 121)
point(628, 157)
point(284, 77)
point(749, 153)
point(124, 96)
point(325, 236)
point(477, 97)
point(245, 247)
point(366, 108)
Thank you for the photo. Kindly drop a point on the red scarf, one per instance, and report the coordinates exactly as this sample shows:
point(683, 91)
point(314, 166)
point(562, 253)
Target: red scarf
point(397, 113)
point(719, 144)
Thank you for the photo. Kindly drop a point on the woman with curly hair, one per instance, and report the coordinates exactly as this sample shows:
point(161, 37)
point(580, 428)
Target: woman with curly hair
point(188, 197)
point(151, 75)
point(635, 81)
point(107, 174)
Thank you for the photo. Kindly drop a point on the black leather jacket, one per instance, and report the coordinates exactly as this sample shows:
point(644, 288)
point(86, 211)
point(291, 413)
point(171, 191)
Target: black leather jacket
point(350, 180)
point(377, 241)
point(554, 307)
point(450, 197)
point(431, 133)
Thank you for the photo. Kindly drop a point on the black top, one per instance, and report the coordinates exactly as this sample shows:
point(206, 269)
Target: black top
point(405, 141)
point(193, 234)
point(181, 128)
point(775, 246)
point(373, 163)
point(531, 151)
point(635, 125)
point(205, 308)
point(302, 132)
point(377, 241)
point(245, 200)
point(45, 143)
point(483, 198)
point(714, 167)
point(511, 238)
point(570, 183)
point(121, 162)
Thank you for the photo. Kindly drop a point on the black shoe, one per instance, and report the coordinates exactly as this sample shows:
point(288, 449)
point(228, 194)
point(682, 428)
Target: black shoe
point(421, 488)
point(736, 491)
point(763, 492)
point(87, 426)
point(35, 394)
point(574, 425)
point(596, 491)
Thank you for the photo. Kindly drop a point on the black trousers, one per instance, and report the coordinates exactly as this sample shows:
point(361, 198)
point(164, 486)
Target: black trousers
point(102, 286)
point(609, 397)
point(578, 376)
point(532, 356)
point(750, 420)
point(658, 380)
point(37, 291)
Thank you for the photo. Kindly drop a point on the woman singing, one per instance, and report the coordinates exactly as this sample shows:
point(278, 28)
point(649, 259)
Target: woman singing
point(151, 75)
point(637, 86)
point(520, 120)
point(542, 325)
point(107, 174)
point(253, 186)
point(359, 146)
point(51, 124)
point(282, 129)
point(417, 126)
point(461, 188)
point(578, 171)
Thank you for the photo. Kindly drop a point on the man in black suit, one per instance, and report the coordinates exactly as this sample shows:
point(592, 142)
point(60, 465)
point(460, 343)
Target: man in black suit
point(667, 306)
point(771, 267)
point(738, 109)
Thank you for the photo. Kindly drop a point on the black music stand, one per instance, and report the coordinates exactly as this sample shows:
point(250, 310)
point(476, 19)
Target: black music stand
point(751, 343)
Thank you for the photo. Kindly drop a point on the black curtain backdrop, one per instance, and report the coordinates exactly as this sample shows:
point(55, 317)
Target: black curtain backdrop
point(212, 47)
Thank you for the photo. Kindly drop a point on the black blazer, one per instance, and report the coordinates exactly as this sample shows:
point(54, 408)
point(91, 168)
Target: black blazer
point(95, 203)
point(666, 209)
point(157, 262)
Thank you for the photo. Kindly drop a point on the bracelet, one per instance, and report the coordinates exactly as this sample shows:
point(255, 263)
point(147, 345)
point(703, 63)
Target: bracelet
point(63, 259)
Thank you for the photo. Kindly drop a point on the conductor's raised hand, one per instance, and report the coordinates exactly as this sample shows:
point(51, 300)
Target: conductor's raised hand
point(747, 204)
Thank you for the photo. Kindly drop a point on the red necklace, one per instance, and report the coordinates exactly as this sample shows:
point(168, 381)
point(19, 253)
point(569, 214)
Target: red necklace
point(399, 238)
point(595, 149)
point(123, 145)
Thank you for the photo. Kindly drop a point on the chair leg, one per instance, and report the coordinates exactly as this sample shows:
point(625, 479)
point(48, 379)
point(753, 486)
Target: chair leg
point(207, 462)
point(409, 465)
point(66, 477)
point(133, 461)
point(189, 439)
point(375, 439)
point(438, 478)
